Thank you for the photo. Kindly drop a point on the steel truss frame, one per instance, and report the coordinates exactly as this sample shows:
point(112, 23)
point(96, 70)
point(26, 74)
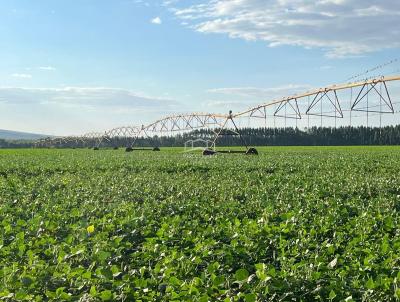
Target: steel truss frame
point(294, 107)
point(180, 123)
point(185, 122)
point(122, 134)
point(235, 131)
point(319, 97)
point(169, 124)
point(220, 122)
point(189, 122)
point(142, 132)
point(328, 93)
point(94, 139)
point(386, 99)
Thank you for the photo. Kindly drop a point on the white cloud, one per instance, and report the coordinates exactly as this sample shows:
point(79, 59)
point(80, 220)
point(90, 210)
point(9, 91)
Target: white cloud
point(261, 93)
point(48, 68)
point(242, 98)
point(169, 2)
point(227, 104)
point(340, 27)
point(142, 2)
point(85, 97)
point(156, 20)
point(22, 75)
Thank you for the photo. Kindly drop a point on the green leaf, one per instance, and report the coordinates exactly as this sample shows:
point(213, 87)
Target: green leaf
point(370, 284)
point(241, 274)
point(93, 291)
point(65, 296)
point(106, 295)
point(219, 280)
point(51, 294)
point(213, 267)
point(332, 295)
point(7, 228)
point(21, 295)
point(103, 255)
point(260, 266)
point(193, 290)
point(204, 298)
point(106, 272)
point(6, 295)
point(250, 297)
point(389, 224)
point(175, 281)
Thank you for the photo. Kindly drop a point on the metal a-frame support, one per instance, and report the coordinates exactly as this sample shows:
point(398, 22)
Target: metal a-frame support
point(236, 131)
point(365, 90)
point(293, 105)
point(132, 147)
point(333, 100)
point(99, 140)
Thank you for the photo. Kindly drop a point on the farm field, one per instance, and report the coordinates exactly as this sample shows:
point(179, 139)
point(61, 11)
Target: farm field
point(292, 224)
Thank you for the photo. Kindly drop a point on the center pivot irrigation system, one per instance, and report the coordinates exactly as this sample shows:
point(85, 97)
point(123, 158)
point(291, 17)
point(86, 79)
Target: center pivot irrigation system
point(370, 96)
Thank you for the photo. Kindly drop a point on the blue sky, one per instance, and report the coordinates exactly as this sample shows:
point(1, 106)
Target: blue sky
point(69, 66)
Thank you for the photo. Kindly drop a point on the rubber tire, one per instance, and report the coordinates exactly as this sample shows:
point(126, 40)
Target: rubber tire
point(252, 151)
point(208, 152)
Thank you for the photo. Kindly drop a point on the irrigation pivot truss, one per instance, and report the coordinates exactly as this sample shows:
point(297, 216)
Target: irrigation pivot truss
point(128, 135)
point(184, 122)
point(59, 141)
point(124, 135)
point(369, 96)
point(329, 94)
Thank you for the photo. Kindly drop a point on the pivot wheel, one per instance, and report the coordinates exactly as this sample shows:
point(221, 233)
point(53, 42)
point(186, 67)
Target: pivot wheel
point(252, 151)
point(208, 152)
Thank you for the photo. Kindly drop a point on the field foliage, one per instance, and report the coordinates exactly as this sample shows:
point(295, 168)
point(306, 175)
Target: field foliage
point(293, 224)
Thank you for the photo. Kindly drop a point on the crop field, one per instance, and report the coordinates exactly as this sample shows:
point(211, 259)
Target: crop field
point(292, 224)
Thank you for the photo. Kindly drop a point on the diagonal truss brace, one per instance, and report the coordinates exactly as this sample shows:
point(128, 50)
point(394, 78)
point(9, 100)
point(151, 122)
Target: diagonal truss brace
point(386, 99)
point(259, 113)
point(293, 105)
point(236, 131)
point(319, 97)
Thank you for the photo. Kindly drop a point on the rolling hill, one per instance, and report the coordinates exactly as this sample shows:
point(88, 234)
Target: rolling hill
point(16, 135)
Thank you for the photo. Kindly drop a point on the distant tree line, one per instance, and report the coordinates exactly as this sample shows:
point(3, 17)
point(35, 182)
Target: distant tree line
point(315, 136)
point(16, 143)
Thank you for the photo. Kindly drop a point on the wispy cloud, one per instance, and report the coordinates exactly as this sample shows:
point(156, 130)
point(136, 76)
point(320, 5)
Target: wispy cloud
point(156, 20)
point(340, 27)
point(261, 93)
point(169, 2)
point(227, 104)
point(241, 98)
point(49, 68)
point(142, 2)
point(87, 97)
point(22, 75)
